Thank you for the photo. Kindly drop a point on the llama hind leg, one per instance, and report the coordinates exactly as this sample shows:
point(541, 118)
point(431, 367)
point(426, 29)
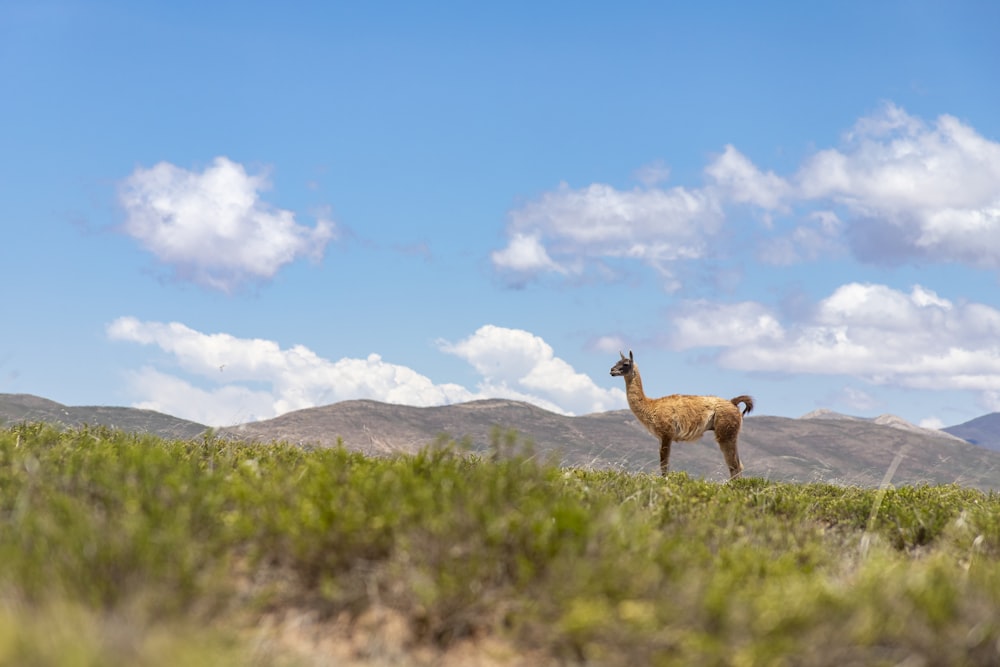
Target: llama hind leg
point(732, 455)
point(727, 432)
point(732, 459)
point(664, 455)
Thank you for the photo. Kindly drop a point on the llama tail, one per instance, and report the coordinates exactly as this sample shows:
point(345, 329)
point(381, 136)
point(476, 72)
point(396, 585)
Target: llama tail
point(743, 399)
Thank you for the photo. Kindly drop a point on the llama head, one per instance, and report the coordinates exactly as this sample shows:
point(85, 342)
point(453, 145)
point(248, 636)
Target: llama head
point(625, 366)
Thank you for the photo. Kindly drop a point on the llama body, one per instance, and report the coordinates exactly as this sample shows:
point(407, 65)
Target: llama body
point(684, 418)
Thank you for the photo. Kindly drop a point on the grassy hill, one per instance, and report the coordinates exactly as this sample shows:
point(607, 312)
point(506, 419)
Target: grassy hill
point(123, 548)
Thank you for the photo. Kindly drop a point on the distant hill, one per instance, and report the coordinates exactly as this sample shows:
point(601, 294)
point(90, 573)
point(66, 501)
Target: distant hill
point(822, 446)
point(838, 449)
point(25, 407)
point(983, 431)
point(883, 420)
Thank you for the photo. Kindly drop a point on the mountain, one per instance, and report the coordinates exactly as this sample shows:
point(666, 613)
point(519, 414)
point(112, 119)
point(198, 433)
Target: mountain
point(25, 407)
point(983, 431)
point(822, 446)
point(884, 420)
point(831, 448)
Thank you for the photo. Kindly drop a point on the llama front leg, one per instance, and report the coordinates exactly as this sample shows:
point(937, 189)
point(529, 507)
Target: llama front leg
point(664, 455)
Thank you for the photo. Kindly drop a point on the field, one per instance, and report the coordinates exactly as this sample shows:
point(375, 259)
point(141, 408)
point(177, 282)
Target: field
point(118, 548)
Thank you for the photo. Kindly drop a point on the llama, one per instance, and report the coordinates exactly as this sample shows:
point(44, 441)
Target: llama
point(685, 418)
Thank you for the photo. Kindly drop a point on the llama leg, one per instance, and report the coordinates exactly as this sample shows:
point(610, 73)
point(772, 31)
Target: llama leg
point(728, 447)
point(664, 455)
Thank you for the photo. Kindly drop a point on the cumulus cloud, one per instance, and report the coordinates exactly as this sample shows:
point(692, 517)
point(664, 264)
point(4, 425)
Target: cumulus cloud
point(933, 423)
point(742, 182)
point(519, 365)
point(914, 339)
point(525, 254)
point(913, 190)
point(296, 376)
point(251, 379)
point(704, 324)
point(898, 190)
point(220, 406)
point(570, 230)
point(211, 227)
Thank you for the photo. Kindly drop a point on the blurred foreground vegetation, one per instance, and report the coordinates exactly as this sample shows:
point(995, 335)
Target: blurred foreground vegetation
point(120, 549)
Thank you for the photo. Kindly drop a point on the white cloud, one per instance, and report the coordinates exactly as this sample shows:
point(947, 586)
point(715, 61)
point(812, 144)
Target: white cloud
point(252, 379)
point(932, 423)
point(882, 335)
point(742, 182)
point(517, 364)
point(211, 227)
point(297, 377)
point(568, 230)
point(898, 190)
point(525, 254)
point(915, 191)
point(219, 406)
point(704, 324)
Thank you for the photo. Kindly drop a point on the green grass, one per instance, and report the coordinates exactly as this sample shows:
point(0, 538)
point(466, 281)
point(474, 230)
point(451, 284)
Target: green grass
point(125, 549)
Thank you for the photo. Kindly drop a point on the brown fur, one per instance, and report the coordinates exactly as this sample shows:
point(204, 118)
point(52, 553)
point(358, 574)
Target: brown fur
point(684, 418)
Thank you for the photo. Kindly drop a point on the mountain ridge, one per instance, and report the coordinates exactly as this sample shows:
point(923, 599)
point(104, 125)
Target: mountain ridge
point(983, 431)
point(884, 420)
point(826, 447)
point(28, 407)
point(843, 451)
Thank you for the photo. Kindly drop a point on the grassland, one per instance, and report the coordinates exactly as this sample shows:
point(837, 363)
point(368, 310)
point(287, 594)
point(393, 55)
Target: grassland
point(125, 549)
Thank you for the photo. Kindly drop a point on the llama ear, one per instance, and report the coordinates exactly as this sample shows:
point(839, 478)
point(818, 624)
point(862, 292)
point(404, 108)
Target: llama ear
point(622, 355)
point(629, 356)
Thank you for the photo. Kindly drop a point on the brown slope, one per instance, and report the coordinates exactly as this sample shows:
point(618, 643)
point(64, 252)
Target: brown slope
point(860, 452)
point(840, 450)
point(25, 407)
point(378, 428)
point(801, 450)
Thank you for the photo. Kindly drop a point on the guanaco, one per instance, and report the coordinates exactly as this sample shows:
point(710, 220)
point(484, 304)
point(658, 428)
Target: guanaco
point(684, 418)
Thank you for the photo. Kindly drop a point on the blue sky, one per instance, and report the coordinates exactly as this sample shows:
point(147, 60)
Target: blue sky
point(226, 211)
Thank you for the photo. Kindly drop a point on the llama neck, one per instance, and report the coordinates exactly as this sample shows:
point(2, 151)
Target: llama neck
point(633, 390)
